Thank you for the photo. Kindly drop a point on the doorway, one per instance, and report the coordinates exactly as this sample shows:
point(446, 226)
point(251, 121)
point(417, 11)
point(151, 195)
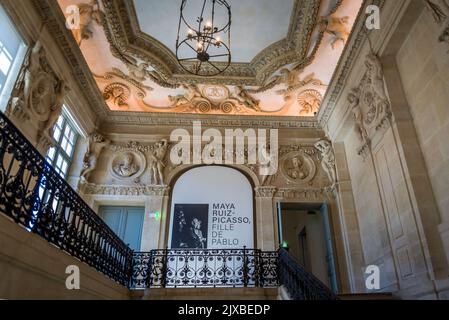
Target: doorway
point(126, 222)
point(305, 230)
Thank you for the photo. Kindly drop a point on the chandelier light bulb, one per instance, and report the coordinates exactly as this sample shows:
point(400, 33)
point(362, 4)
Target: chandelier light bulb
point(208, 26)
point(190, 34)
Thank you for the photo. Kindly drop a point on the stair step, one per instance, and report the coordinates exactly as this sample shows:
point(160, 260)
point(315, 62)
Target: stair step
point(207, 294)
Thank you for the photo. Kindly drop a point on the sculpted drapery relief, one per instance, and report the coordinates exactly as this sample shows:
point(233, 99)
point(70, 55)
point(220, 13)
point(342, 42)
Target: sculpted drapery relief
point(369, 104)
point(38, 95)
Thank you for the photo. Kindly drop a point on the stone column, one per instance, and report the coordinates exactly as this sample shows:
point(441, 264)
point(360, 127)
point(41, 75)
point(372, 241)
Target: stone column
point(265, 218)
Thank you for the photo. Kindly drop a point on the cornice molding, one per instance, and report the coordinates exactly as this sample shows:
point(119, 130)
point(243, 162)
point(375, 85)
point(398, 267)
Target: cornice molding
point(166, 119)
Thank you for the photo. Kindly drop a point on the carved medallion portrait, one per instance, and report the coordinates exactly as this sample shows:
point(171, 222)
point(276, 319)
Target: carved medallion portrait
point(128, 165)
point(298, 168)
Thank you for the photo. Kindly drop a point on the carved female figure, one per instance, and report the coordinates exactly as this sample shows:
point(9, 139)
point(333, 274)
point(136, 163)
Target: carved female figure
point(328, 162)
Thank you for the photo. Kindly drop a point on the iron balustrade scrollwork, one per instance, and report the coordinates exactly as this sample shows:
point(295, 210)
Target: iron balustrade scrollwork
point(35, 196)
point(301, 284)
point(173, 268)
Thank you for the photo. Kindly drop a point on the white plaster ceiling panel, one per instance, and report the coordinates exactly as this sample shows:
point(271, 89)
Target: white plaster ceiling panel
point(131, 83)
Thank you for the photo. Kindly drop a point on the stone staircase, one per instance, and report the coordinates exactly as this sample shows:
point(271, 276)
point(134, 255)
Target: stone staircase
point(207, 294)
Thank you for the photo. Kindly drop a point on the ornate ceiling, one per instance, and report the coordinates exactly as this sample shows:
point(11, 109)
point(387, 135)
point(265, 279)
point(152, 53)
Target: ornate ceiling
point(283, 74)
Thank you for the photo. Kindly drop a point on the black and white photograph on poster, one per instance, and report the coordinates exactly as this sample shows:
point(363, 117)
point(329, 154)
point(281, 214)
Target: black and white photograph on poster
point(190, 226)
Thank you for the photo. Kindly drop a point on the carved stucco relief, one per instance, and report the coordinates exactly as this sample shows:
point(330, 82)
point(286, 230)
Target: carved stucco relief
point(299, 165)
point(38, 95)
point(369, 104)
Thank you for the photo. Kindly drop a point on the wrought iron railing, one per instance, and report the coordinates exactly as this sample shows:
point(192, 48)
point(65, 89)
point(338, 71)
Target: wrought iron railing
point(35, 196)
point(171, 268)
point(301, 284)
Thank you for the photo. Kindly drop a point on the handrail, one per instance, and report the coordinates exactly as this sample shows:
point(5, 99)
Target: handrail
point(35, 196)
point(300, 283)
point(175, 268)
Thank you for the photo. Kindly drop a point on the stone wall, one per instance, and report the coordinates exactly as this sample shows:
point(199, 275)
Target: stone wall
point(423, 64)
point(396, 215)
point(32, 268)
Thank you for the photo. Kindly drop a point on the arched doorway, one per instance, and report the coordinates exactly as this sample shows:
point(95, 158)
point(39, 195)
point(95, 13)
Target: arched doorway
point(212, 207)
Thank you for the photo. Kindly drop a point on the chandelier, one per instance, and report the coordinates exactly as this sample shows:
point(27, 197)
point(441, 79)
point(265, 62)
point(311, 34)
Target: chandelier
point(205, 48)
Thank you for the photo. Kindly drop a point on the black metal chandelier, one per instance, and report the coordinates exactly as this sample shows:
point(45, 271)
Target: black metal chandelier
point(204, 51)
